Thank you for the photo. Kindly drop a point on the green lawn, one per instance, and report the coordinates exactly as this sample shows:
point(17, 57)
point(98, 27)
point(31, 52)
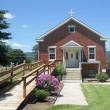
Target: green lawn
point(98, 98)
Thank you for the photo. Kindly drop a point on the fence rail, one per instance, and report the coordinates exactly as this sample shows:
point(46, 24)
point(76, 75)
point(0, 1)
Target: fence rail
point(17, 70)
point(41, 69)
point(35, 69)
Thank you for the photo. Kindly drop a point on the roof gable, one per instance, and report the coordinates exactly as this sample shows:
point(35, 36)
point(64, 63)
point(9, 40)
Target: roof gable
point(71, 44)
point(75, 20)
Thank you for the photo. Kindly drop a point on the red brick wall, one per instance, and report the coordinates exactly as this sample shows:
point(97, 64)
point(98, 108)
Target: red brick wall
point(82, 36)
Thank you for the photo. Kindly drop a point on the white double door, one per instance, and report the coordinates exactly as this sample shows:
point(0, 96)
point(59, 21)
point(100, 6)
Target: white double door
point(72, 59)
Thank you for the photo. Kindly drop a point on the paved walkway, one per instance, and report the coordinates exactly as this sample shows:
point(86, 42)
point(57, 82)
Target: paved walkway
point(12, 99)
point(71, 94)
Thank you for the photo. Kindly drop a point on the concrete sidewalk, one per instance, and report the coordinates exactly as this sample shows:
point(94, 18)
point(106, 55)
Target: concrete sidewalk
point(71, 94)
point(10, 100)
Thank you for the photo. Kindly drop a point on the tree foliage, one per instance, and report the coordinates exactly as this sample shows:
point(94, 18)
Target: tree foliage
point(4, 58)
point(3, 25)
point(35, 52)
point(17, 56)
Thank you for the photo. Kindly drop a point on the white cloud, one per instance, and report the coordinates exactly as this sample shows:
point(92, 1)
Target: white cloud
point(9, 16)
point(24, 26)
point(6, 41)
point(18, 45)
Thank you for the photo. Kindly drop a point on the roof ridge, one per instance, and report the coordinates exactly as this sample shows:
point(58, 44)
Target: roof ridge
point(76, 20)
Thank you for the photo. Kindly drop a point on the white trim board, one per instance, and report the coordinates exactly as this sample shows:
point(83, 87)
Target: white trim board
point(102, 37)
point(75, 44)
point(94, 47)
point(51, 53)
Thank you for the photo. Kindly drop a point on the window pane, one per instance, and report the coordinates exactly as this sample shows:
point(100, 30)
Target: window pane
point(91, 50)
point(91, 56)
point(52, 56)
point(71, 28)
point(67, 55)
point(51, 50)
point(77, 55)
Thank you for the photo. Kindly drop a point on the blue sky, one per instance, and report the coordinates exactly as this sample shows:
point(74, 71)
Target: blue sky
point(31, 18)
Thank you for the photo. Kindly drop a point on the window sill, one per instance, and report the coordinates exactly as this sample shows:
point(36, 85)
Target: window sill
point(91, 60)
point(51, 59)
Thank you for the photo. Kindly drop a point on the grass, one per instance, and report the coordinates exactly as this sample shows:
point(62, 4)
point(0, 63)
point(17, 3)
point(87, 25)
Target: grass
point(3, 68)
point(97, 96)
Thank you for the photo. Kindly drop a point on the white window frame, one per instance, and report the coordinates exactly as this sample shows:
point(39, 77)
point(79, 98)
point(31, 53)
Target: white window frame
point(71, 26)
point(92, 53)
point(51, 53)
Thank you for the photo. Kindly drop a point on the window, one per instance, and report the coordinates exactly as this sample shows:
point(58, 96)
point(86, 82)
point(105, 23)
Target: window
point(52, 53)
point(77, 55)
point(71, 55)
point(92, 52)
point(71, 28)
point(66, 55)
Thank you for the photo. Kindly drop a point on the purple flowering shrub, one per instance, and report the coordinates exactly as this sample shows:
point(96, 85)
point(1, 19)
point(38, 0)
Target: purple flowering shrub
point(47, 82)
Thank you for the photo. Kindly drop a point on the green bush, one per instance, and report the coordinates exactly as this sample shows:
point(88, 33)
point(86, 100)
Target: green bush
point(41, 94)
point(58, 70)
point(102, 77)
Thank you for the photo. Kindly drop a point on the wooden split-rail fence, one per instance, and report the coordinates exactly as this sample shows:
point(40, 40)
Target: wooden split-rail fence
point(13, 72)
point(35, 69)
point(43, 69)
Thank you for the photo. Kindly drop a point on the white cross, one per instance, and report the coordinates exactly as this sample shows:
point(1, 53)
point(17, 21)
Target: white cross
point(71, 12)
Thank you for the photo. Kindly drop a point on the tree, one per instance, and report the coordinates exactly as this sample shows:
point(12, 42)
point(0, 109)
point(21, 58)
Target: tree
point(35, 52)
point(4, 60)
point(4, 57)
point(17, 56)
point(3, 25)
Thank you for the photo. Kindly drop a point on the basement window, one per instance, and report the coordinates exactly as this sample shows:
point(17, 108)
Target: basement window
point(71, 28)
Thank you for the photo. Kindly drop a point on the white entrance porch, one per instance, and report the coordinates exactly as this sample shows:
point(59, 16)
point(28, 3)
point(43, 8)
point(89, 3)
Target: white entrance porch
point(72, 54)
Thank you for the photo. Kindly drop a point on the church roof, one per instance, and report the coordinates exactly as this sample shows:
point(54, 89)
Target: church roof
point(102, 37)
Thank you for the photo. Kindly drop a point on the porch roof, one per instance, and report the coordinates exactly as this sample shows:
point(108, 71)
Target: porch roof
point(71, 44)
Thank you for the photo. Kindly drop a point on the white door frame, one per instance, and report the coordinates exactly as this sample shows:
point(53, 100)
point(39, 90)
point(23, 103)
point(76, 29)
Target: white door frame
point(79, 56)
point(74, 46)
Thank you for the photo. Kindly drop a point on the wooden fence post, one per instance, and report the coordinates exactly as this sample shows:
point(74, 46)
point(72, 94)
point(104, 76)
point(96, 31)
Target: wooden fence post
point(31, 67)
point(48, 69)
point(37, 73)
point(24, 87)
point(24, 62)
point(44, 69)
point(11, 78)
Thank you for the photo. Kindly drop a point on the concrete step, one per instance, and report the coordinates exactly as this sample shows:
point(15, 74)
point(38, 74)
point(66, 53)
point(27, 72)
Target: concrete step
point(73, 72)
point(72, 81)
point(72, 78)
point(73, 75)
point(73, 69)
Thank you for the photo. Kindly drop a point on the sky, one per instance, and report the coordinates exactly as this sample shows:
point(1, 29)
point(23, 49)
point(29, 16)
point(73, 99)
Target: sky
point(29, 19)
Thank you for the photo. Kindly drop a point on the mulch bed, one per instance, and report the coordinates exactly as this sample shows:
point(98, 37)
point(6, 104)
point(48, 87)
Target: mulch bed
point(33, 104)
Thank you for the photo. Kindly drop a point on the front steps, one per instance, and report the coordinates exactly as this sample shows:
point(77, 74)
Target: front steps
point(72, 75)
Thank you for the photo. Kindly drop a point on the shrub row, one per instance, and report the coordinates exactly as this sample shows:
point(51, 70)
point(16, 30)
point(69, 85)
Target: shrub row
point(102, 77)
